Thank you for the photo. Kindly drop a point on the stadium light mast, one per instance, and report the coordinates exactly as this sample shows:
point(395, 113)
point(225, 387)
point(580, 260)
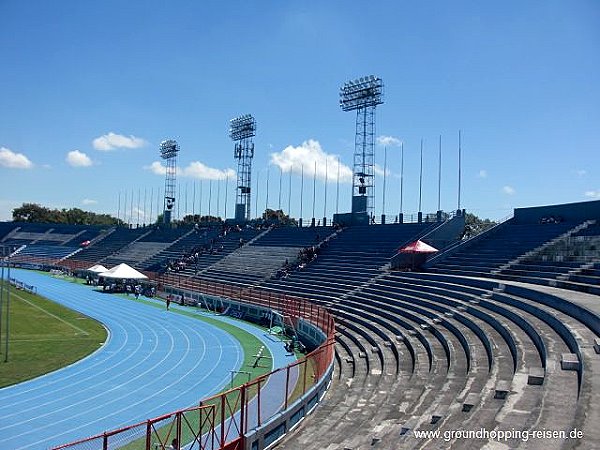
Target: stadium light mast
point(168, 151)
point(241, 130)
point(363, 95)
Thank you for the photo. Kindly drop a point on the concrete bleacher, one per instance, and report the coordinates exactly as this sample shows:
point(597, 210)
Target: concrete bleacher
point(477, 337)
point(568, 262)
point(265, 255)
point(351, 258)
point(210, 246)
point(498, 246)
point(108, 244)
point(294, 237)
point(45, 244)
point(41, 253)
point(183, 245)
point(471, 352)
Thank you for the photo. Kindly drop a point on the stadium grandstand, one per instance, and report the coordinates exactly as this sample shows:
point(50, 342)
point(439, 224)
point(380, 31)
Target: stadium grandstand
point(499, 332)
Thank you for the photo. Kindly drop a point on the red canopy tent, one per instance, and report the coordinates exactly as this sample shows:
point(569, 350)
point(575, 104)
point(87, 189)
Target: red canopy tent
point(415, 254)
point(418, 246)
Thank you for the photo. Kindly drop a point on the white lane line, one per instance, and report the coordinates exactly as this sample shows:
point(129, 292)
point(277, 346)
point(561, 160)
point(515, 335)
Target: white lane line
point(52, 315)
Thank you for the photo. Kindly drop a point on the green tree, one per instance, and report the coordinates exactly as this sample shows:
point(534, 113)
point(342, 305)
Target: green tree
point(32, 212)
point(475, 225)
point(271, 215)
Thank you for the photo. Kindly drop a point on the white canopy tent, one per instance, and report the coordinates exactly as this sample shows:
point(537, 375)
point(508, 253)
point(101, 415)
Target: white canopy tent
point(98, 268)
point(123, 272)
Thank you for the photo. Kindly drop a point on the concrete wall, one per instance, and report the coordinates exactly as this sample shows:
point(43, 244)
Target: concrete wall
point(310, 335)
point(572, 212)
point(274, 430)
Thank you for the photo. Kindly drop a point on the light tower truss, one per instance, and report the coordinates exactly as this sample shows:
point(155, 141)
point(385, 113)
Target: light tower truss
point(168, 151)
point(241, 130)
point(363, 95)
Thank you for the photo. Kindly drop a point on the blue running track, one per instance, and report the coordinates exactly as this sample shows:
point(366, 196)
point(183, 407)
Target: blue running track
point(153, 362)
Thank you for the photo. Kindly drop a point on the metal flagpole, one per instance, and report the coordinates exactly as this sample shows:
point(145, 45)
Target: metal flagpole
point(145, 205)
point(151, 204)
point(226, 184)
point(131, 208)
point(194, 200)
point(401, 180)
point(290, 192)
point(125, 209)
point(218, 198)
point(256, 195)
point(138, 206)
point(280, 176)
point(301, 192)
point(337, 190)
point(209, 196)
point(325, 199)
point(384, 181)
point(459, 166)
point(158, 198)
point(440, 175)
point(314, 191)
point(185, 207)
point(421, 177)
point(119, 207)
point(200, 203)
point(267, 196)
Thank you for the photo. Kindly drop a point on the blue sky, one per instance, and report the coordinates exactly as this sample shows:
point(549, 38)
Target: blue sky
point(89, 89)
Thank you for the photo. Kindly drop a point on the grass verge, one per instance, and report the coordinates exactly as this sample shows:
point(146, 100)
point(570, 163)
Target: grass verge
point(44, 336)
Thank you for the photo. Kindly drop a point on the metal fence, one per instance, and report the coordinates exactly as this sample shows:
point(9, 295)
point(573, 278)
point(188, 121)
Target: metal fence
point(222, 421)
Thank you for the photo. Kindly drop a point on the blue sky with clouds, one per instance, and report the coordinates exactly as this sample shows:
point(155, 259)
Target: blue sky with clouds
point(89, 89)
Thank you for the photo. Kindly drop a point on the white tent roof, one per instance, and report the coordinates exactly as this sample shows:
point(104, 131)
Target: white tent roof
point(123, 272)
point(98, 268)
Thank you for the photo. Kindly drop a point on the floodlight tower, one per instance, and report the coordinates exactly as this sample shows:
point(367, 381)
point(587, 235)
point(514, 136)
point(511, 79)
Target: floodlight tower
point(168, 152)
point(241, 131)
point(363, 95)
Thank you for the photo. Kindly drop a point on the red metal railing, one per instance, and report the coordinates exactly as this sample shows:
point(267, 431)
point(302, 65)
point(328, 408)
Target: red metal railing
point(221, 421)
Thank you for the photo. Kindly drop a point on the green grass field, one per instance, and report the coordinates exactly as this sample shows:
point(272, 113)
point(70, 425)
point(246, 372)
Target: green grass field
point(44, 336)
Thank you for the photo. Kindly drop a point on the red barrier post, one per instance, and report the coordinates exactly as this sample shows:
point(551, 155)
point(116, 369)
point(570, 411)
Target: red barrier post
point(287, 386)
point(222, 419)
point(258, 404)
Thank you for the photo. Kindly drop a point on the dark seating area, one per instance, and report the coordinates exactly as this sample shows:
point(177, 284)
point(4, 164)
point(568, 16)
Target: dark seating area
point(352, 257)
point(485, 253)
point(294, 237)
point(112, 241)
point(567, 262)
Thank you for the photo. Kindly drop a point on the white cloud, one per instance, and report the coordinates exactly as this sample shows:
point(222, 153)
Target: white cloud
point(388, 141)
point(156, 168)
point(509, 190)
point(482, 174)
point(113, 141)
point(13, 160)
point(89, 201)
point(195, 169)
point(379, 170)
point(76, 158)
point(581, 172)
point(305, 155)
point(593, 194)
